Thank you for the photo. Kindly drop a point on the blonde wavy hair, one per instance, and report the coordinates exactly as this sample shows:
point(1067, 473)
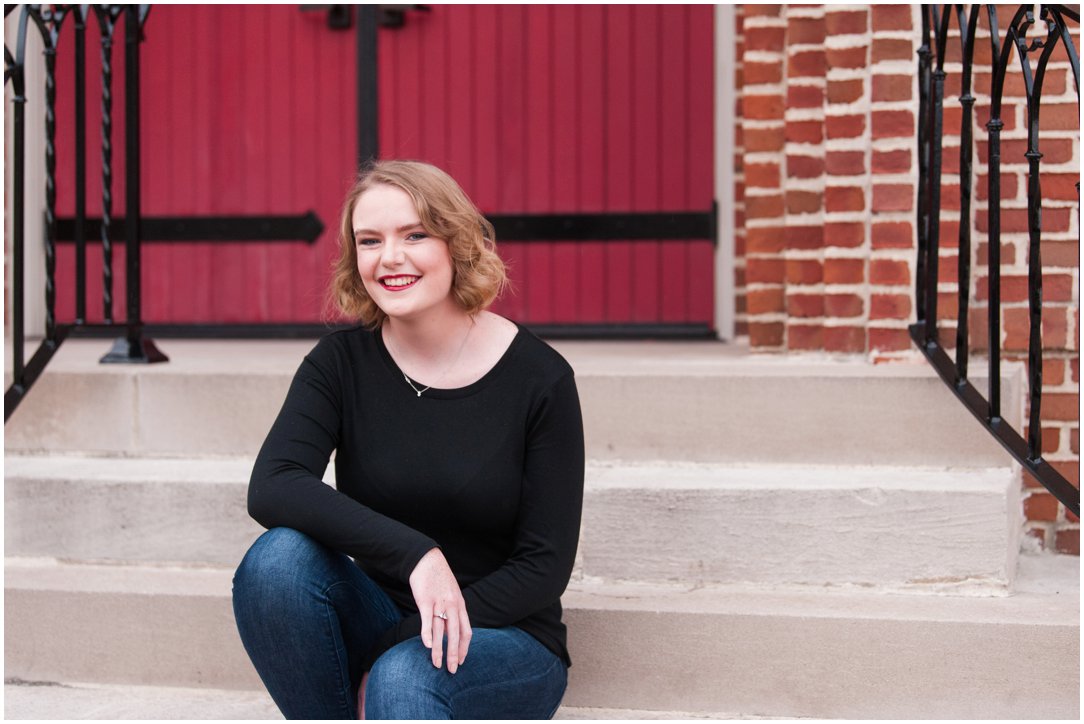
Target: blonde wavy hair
point(445, 213)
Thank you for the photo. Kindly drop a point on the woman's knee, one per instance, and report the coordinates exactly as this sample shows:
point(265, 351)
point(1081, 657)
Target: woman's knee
point(276, 559)
point(404, 683)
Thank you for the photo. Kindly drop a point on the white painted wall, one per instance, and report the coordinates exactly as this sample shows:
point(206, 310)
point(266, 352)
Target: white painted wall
point(724, 171)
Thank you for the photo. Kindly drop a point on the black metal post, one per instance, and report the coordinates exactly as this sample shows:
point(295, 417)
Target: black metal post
point(963, 279)
point(993, 216)
point(133, 348)
point(934, 195)
point(923, 211)
point(368, 140)
point(1035, 265)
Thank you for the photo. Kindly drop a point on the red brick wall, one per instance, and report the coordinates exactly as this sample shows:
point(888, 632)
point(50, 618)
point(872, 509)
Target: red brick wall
point(826, 206)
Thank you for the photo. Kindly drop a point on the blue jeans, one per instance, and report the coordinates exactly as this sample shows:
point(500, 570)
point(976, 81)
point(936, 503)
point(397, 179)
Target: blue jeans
point(307, 615)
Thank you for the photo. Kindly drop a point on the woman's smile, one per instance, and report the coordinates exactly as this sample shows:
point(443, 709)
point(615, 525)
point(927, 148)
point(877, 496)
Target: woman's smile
point(398, 283)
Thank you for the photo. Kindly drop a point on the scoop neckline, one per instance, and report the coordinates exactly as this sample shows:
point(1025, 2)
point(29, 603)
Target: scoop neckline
point(448, 393)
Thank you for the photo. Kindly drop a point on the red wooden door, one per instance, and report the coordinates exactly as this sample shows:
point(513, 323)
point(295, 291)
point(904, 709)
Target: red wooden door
point(546, 110)
point(246, 111)
point(563, 109)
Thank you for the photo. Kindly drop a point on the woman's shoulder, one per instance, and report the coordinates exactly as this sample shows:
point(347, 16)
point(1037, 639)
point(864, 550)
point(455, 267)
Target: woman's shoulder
point(347, 345)
point(537, 358)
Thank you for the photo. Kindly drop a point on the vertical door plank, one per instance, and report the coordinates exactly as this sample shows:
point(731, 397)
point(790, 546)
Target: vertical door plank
point(433, 105)
point(157, 116)
point(309, 174)
point(674, 155)
point(486, 105)
point(592, 158)
point(566, 280)
point(619, 154)
point(461, 111)
point(281, 194)
point(412, 103)
point(701, 132)
point(539, 166)
point(227, 152)
point(510, 114)
point(647, 140)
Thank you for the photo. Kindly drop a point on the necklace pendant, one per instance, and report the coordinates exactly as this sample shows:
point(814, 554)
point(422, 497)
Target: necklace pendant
point(419, 393)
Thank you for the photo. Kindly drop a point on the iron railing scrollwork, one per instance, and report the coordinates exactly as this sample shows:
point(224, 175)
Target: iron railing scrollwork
point(48, 21)
point(1050, 32)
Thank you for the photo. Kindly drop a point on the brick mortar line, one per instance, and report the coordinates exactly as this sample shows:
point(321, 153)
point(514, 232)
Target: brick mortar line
point(764, 125)
point(763, 89)
point(847, 42)
point(805, 13)
point(797, 48)
point(754, 22)
point(795, 115)
point(838, 73)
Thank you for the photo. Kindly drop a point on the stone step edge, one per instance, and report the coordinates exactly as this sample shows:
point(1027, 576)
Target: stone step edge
point(1050, 580)
point(59, 699)
point(600, 474)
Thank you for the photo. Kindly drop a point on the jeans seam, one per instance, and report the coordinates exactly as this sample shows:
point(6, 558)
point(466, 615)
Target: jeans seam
point(344, 668)
point(346, 689)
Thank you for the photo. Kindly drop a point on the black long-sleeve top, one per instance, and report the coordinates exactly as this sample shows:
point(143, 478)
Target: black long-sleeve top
point(491, 473)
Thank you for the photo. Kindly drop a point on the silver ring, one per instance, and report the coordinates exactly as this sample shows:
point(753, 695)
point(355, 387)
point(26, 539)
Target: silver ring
point(441, 615)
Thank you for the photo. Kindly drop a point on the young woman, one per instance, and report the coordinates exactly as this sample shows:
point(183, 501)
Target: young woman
point(428, 584)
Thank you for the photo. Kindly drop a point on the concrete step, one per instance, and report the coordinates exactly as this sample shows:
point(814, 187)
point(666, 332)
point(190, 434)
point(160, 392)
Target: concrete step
point(79, 700)
point(698, 524)
point(755, 650)
point(698, 402)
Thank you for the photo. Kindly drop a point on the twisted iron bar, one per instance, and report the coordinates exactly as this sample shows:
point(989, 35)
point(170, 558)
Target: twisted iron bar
point(107, 23)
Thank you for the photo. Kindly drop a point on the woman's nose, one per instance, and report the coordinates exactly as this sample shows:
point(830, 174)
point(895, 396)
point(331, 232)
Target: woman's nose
point(392, 254)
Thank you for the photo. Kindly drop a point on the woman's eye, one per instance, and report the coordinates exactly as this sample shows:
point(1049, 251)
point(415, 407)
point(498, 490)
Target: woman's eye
point(417, 236)
point(368, 242)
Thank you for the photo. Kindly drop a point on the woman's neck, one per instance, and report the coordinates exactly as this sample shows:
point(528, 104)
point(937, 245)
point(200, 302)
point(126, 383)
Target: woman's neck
point(432, 338)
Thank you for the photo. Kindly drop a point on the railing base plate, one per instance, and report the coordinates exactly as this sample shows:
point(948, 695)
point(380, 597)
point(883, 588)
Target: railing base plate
point(126, 351)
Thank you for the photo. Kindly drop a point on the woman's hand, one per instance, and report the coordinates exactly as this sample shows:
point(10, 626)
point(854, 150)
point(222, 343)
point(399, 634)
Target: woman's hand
point(437, 592)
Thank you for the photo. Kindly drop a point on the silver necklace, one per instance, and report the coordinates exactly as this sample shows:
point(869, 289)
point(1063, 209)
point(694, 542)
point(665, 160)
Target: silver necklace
point(458, 354)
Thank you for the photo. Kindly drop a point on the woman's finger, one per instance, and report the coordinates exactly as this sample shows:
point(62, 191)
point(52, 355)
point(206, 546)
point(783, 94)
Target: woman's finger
point(426, 613)
point(464, 634)
point(438, 638)
point(452, 654)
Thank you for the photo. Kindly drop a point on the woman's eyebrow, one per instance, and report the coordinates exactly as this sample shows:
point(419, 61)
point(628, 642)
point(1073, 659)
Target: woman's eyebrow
point(401, 229)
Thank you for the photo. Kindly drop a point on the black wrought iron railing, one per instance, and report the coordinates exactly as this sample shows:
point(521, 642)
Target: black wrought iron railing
point(47, 21)
point(1032, 40)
